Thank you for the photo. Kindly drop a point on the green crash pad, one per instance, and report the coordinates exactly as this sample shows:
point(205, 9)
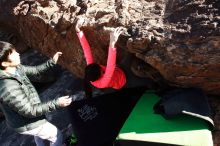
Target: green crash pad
point(142, 124)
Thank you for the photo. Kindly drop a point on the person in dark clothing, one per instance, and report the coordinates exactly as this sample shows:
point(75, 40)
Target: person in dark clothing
point(19, 100)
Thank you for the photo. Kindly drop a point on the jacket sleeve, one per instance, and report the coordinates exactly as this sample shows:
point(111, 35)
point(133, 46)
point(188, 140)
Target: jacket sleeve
point(110, 68)
point(86, 48)
point(39, 69)
point(15, 98)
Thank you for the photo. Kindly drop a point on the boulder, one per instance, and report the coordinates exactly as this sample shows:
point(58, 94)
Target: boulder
point(178, 39)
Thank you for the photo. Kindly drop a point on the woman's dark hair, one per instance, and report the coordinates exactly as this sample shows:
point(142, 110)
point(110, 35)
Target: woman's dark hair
point(5, 50)
point(92, 73)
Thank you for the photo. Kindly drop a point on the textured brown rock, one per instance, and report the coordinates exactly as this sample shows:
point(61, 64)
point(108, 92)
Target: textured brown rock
point(180, 39)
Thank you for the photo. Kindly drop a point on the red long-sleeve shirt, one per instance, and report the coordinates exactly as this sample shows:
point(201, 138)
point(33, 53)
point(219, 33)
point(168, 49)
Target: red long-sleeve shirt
point(113, 76)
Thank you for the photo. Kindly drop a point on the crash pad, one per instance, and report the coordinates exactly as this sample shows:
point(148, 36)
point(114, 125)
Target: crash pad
point(144, 125)
point(97, 121)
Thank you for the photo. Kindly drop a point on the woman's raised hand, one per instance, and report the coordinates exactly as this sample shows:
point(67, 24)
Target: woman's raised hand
point(79, 23)
point(114, 36)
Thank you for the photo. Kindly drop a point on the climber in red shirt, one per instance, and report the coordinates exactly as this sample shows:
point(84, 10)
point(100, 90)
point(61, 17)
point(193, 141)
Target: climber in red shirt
point(100, 76)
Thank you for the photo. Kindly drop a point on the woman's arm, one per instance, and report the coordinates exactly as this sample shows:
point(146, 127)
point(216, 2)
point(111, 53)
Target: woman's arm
point(83, 41)
point(86, 48)
point(110, 68)
point(111, 61)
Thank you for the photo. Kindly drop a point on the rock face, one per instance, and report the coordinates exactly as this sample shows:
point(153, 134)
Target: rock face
point(180, 39)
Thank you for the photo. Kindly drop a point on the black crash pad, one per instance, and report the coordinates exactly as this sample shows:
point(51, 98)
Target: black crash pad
point(97, 121)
